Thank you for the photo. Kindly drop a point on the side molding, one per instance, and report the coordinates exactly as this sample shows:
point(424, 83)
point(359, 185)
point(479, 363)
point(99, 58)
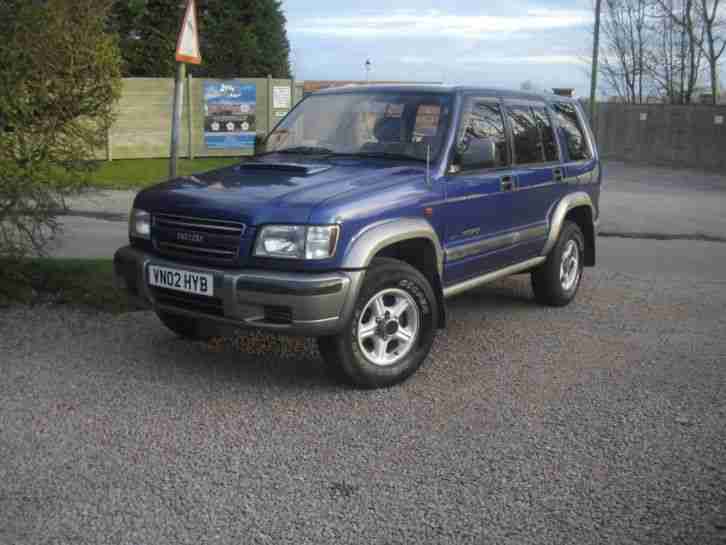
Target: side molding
point(377, 236)
point(567, 203)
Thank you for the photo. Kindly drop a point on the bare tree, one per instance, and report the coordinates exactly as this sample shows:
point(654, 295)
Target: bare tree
point(674, 61)
point(714, 25)
point(625, 36)
point(705, 24)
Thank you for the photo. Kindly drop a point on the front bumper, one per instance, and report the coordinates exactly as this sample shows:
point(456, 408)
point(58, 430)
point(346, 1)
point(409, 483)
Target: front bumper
point(294, 303)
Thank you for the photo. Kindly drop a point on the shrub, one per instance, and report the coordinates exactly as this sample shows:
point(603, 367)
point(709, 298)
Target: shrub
point(60, 79)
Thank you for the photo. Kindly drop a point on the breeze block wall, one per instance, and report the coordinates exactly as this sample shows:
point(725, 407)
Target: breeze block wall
point(664, 134)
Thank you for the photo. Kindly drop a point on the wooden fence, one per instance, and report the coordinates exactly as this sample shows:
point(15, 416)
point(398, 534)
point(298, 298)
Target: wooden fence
point(143, 125)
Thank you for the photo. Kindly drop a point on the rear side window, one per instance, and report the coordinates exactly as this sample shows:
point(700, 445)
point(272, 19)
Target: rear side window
point(482, 140)
point(572, 132)
point(527, 142)
point(549, 142)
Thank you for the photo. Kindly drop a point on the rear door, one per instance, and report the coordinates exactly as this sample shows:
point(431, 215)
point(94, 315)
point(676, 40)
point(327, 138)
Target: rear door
point(538, 170)
point(479, 189)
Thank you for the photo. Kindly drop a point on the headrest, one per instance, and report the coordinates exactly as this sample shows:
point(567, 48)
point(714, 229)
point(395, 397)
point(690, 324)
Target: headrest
point(388, 129)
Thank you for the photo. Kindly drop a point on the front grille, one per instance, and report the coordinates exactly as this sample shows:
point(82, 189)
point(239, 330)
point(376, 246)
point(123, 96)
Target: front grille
point(278, 314)
point(198, 239)
point(188, 301)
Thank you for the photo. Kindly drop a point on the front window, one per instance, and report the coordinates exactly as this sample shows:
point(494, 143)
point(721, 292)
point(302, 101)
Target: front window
point(482, 140)
point(367, 123)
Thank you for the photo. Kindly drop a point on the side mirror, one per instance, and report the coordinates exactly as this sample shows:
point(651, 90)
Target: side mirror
point(477, 153)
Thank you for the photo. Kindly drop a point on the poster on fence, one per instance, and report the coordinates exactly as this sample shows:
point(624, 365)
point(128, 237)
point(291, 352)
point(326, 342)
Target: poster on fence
point(229, 115)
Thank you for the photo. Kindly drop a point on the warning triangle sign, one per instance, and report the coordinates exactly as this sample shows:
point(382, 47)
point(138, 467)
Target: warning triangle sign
point(187, 45)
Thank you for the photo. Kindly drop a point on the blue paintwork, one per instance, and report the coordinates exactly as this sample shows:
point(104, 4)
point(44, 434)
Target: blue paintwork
point(356, 192)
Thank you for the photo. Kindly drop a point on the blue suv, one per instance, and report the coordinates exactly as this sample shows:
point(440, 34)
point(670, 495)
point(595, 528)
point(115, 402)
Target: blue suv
point(370, 206)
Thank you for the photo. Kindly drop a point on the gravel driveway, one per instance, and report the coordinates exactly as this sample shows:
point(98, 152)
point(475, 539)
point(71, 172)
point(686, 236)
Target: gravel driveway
point(603, 422)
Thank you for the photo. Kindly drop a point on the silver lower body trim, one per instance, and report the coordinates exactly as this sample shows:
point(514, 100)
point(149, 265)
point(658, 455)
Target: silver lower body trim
point(491, 276)
point(312, 304)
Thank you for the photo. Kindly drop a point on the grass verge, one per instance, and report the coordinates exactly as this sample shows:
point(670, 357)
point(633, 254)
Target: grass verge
point(140, 173)
point(76, 282)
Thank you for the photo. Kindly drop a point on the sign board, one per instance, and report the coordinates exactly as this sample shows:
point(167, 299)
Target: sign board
point(229, 115)
point(718, 120)
point(644, 116)
point(281, 97)
point(187, 45)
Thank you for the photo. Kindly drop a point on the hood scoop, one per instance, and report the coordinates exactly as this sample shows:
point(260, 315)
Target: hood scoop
point(295, 169)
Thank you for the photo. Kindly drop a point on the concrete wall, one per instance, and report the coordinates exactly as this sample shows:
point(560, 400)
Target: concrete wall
point(143, 126)
point(663, 134)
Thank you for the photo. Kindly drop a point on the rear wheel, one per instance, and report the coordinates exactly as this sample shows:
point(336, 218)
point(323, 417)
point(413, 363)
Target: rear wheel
point(391, 330)
point(556, 281)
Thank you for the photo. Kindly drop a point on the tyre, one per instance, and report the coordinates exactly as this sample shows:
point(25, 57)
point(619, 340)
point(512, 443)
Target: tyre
point(555, 282)
point(184, 326)
point(391, 330)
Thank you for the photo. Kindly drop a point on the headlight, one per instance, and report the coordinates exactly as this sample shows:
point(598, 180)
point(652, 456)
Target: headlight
point(286, 241)
point(297, 241)
point(140, 224)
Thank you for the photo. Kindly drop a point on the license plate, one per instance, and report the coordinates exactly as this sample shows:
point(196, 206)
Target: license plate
point(186, 281)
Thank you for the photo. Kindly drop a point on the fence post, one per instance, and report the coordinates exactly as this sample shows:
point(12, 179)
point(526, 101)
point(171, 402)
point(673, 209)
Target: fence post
point(190, 105)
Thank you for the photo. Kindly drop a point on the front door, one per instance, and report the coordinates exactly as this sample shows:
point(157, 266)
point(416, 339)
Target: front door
point(479, 189)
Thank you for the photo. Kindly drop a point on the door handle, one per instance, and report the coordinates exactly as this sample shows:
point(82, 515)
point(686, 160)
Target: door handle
point(557, 173)
point(507, 183)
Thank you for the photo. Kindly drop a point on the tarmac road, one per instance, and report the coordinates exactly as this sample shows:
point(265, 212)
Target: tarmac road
point(602, 422)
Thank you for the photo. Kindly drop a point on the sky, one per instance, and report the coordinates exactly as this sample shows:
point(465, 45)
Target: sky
point(500, 43)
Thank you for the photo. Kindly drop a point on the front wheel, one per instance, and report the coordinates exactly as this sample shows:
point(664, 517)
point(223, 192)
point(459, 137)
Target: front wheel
point(391, 330)
point(556, 281)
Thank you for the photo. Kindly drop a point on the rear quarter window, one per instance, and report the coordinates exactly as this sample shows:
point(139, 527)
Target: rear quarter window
point(571, 132)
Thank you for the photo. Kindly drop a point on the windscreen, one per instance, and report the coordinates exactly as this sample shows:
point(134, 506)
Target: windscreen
point(376, 124)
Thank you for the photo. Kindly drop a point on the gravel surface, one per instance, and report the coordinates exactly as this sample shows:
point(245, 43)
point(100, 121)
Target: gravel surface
point(603, 422)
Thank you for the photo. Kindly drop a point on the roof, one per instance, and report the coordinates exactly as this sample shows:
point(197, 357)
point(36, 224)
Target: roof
point(310, 86)
point(442, 88)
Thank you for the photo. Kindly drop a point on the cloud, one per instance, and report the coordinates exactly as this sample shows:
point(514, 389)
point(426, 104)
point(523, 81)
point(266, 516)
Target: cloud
point(438, 23)
point(468, 62)
point(525, 59)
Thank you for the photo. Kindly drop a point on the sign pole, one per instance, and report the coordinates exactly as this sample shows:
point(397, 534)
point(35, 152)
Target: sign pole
point(176, 119)
point(187, 51)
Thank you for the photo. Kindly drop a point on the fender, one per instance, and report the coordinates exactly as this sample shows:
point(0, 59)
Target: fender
point(366, 244)
point(567, 203)
point(371, 240)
